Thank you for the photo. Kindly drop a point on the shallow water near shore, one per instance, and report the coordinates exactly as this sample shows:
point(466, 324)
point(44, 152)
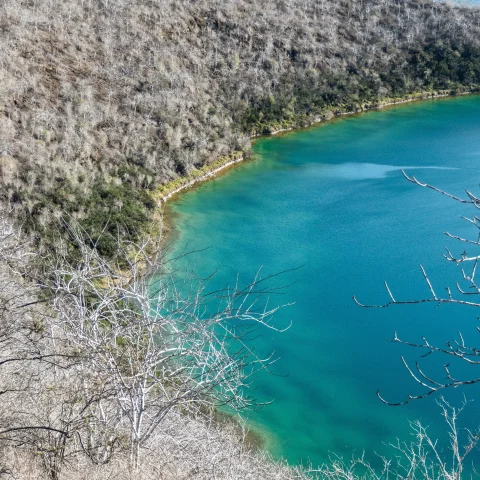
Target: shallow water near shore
point(331, 208)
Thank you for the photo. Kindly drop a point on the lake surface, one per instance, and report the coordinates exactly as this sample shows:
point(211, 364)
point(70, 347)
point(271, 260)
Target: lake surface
point(332, 200)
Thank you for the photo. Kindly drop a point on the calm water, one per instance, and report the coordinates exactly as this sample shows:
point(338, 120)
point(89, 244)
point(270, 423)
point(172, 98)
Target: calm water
point(332, 200)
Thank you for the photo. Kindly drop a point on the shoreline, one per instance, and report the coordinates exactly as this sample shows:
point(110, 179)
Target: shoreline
point(193, 179)
point(211, 170)
point(172, 189)
point(420, 97)
point(164, 194)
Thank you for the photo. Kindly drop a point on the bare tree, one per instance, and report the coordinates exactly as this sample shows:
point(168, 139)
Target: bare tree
point(460, 295)
point(157, 341)
point(96, 356)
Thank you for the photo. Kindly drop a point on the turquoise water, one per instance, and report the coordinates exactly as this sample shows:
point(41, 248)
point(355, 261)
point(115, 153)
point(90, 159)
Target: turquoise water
point(332, 200)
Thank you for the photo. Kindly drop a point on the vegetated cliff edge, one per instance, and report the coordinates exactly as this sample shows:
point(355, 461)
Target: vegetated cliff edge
point(101, 102)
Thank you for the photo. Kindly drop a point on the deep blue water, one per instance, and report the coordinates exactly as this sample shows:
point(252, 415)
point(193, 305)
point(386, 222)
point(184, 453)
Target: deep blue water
point(332, 200)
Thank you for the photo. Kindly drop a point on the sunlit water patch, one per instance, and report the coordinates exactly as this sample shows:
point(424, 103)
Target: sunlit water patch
point(362, 171)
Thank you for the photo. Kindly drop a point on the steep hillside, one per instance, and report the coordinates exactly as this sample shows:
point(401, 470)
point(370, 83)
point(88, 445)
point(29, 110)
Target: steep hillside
point(101, 101)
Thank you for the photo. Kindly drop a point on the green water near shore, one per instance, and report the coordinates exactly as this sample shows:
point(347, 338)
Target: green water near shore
point(332, 201)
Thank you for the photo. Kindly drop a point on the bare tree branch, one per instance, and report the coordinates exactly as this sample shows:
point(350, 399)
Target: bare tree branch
point(455, 348)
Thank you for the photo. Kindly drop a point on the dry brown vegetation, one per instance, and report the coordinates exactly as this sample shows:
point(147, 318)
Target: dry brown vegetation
point(108, 99)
